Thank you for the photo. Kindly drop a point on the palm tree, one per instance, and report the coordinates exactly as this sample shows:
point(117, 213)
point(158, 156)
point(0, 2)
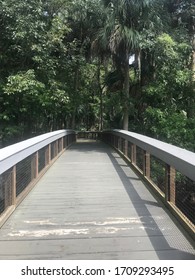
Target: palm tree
point(121, 34)
point(84, 20)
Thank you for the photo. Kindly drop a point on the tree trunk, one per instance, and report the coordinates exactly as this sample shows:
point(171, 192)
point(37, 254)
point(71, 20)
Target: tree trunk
point(193, 78)
point(73, 124)
point(76, 85)
point(138, 64)
point(101, 97)
point(126, 93)
point(191, 103)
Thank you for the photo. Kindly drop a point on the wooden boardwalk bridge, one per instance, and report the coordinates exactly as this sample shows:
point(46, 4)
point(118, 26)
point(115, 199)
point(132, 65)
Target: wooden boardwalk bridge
point(90, 204)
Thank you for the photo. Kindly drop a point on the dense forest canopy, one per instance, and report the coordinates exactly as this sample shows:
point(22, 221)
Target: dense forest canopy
point(92, 65)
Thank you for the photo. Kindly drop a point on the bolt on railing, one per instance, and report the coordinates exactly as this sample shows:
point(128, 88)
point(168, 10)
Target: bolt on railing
point(23, 164)
point(168, 169)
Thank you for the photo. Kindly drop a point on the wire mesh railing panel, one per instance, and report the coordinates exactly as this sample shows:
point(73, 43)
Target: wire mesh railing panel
point(5, 190)
point(139, 157)
point(123, 145)
point(67, 140)
point(47, 154)
point(114, 141)
point(53, 150)
point(59, 145)
point(64, 142)
point(111, 142)
point(129, 150)
point(158, 173)
point(87, 135)
point(42, 159)
point(81, 134)
point(185, 196)
point(24, 174)
point(2, 194)
point(117, 142)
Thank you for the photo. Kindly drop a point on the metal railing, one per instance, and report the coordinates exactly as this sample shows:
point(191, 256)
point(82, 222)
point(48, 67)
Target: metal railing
point(92, 135)
point(168, 169)
point(23, 164)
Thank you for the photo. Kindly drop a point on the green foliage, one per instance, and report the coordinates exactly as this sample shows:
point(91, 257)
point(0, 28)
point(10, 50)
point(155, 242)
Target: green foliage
point(168, 96)
point(24, 83)
point(64, 63)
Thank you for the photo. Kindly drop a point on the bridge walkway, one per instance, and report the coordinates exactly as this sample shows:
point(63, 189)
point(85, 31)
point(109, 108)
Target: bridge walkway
point(91, 205)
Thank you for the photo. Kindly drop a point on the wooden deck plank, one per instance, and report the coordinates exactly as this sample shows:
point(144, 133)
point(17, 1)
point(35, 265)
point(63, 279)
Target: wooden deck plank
point(91, 205)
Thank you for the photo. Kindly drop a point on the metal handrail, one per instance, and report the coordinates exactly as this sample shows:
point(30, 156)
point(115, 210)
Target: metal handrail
point(11, 155)
point(182, 160)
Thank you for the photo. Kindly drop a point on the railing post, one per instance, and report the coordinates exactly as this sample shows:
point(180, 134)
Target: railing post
point(122, 145)
point(170, 184)
point(35, 166)
point(119, 143)
point(56, 148)
point(49, 153)
point(13, 186)
point(10, 188)
point(61, 144)
point(126, 148)
point(133, 153)
point(146, 164)
point(66, 141)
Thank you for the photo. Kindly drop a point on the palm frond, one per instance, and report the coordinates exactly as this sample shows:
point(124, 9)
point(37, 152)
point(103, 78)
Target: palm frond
point(123, 36)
